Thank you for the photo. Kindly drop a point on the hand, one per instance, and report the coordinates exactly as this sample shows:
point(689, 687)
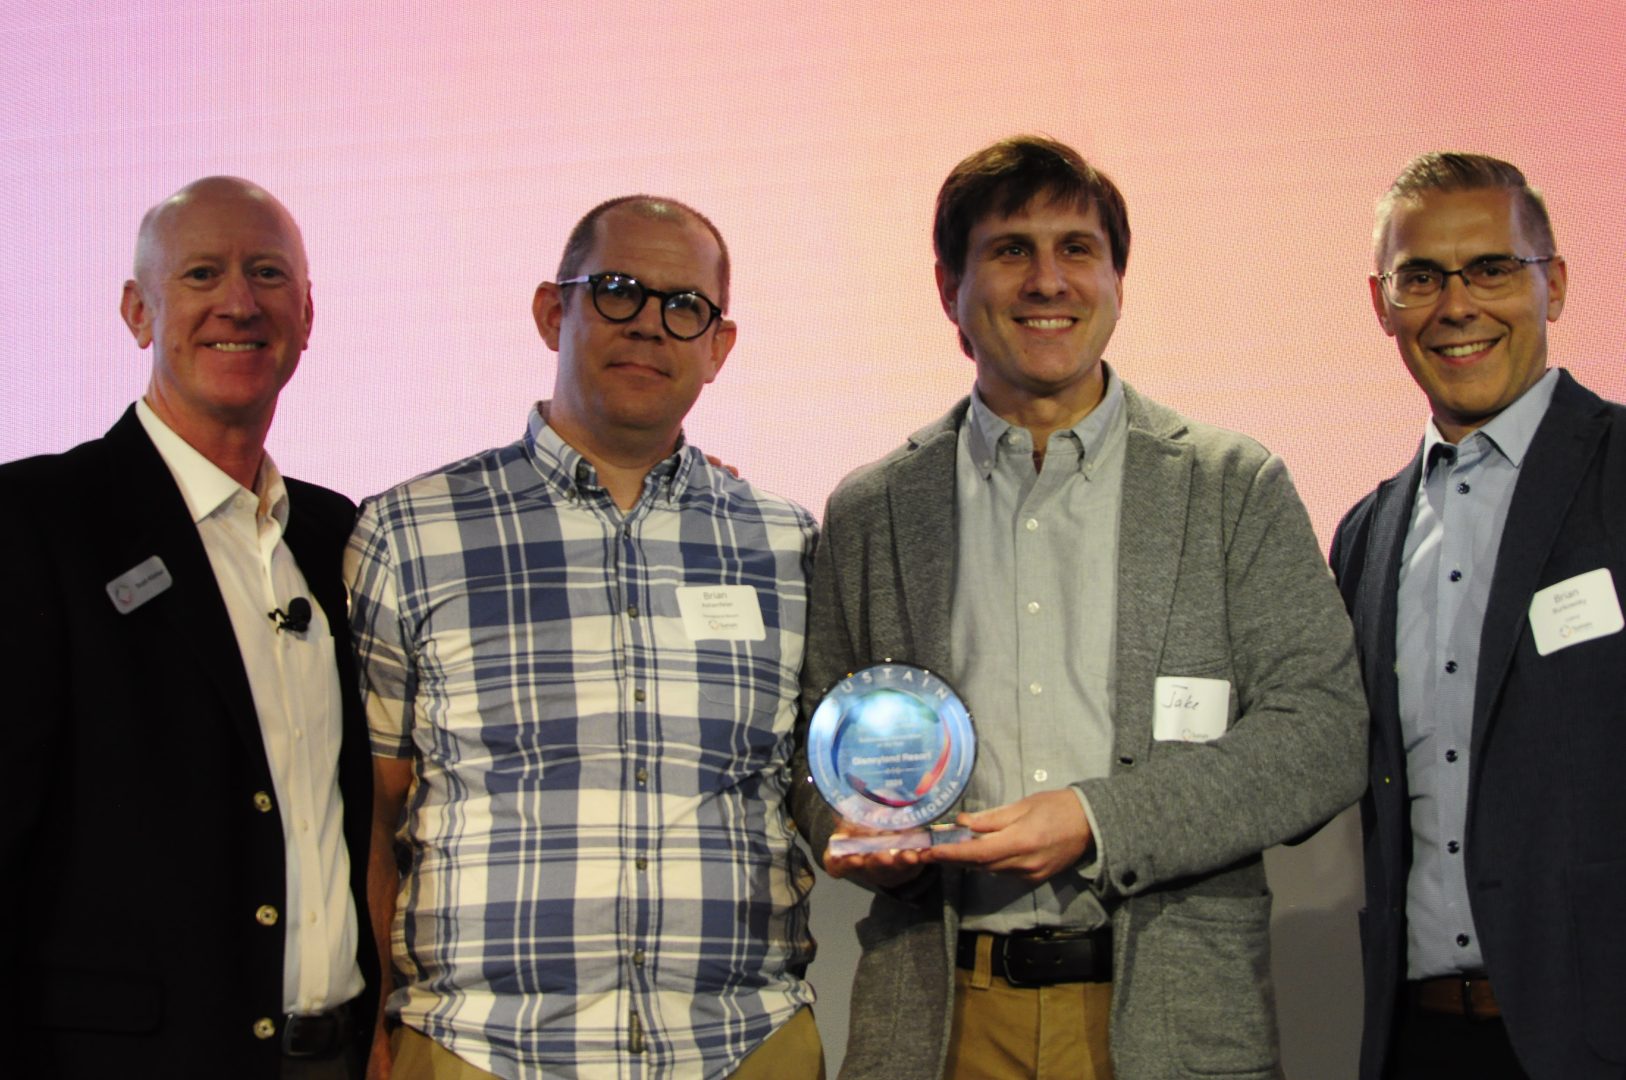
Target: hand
point(717, 463)
point(879, 869)
point(381, 1059)
point(1034, 838)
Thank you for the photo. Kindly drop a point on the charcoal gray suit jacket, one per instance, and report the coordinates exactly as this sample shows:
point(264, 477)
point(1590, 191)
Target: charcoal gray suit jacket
point(1546, 836)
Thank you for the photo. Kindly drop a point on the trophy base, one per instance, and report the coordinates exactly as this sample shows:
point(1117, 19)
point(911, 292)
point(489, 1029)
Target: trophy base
point(902, 840)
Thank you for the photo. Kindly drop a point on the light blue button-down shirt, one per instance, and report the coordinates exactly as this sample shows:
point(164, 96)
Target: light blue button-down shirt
point(1445, 579)
point(1033, 629)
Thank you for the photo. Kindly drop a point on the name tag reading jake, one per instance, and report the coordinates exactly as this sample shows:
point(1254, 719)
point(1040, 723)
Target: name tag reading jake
point(1577, 610)
point(1190, 710)
point(721, 612)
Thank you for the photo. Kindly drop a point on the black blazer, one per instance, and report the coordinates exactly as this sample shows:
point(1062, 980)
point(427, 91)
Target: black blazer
point(1546, 833)
point(135, 846)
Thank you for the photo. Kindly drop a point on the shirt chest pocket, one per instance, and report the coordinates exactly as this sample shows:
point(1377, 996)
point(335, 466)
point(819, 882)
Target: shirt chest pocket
point(719, 646)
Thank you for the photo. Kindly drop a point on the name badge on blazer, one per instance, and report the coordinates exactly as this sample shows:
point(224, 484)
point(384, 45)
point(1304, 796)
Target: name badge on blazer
point(139, 584)
point(1190, 710)
point(1579, 609)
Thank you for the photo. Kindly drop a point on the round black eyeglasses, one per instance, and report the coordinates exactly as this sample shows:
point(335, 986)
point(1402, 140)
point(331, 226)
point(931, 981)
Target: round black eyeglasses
point(686, 314)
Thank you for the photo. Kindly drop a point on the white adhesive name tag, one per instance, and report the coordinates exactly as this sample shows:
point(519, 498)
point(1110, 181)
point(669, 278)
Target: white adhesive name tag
point(1190, 710)
point(1577, 610)
point(721, 612)
point(139, 584)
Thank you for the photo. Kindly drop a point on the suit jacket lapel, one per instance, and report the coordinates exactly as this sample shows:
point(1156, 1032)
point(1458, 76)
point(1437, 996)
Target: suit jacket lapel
point(920, 497)
point(1566, 440)
point(1376, 618)
point(191, 612)
point(318, 557)
point(1151, 534)
point(1376, 606)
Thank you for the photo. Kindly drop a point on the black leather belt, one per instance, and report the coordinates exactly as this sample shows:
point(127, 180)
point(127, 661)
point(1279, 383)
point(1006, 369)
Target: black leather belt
point(1043, 957)
point(316, 1035)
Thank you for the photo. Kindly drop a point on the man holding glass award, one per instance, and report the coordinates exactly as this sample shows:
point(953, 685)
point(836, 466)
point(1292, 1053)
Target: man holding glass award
point(1134, 610)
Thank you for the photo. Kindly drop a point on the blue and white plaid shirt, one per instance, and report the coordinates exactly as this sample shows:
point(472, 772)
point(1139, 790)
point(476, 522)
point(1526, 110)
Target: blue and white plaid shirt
point(602, 878)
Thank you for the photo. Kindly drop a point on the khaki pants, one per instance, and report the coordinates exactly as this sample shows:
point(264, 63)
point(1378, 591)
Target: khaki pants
point(794, 1052)
point(1045, 1032)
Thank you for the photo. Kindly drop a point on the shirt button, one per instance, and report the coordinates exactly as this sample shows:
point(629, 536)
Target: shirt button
point(1453, 847)
point(1033, 607)
point(1035, 689)
point(643, 775)
point(638, 695)
point(638, 957)
point(264, 1028)
point(1463, 488)
point(1463, 939)
point(310, 917)
point(266, 915)
point(1451, 755)
point(262, 802)
point(642, 863)
point(632, 611)
point(299, 733)
point(1032, 524)
point(1456, 575)
point(1450, 667)
point(1040, 775)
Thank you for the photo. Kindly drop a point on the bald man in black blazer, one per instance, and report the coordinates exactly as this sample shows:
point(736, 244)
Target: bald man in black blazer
point(156, 805)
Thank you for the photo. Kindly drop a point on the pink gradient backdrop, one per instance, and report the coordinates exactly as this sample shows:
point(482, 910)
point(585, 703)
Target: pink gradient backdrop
point(437, 154)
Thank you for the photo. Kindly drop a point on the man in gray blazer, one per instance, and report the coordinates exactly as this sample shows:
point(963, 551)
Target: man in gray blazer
point(1136, 611)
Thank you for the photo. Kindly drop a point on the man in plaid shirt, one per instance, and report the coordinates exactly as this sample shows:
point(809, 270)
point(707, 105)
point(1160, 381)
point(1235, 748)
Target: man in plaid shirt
point(580, 658)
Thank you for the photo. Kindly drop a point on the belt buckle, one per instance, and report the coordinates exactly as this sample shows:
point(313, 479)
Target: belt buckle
point(1005, 962)
point(1048, 935)
point(310, 1036)
point(1470, 1010)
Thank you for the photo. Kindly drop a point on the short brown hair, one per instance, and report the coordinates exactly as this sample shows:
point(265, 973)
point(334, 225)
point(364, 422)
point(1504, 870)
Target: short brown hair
point(1003, 178)
point(581, 238)
point(1449, 170)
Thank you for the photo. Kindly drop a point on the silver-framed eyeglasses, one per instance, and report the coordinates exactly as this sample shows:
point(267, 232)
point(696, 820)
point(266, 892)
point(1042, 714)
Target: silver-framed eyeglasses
point(619, 297)
point(1488, 277)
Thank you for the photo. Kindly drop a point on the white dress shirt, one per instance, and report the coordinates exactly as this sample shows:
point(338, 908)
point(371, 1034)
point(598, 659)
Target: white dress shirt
point(296, 696)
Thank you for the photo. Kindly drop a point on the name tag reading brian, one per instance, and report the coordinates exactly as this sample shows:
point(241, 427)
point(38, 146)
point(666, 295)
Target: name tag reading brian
point(721, 612)
point(1577, 610)
point(1190, 710)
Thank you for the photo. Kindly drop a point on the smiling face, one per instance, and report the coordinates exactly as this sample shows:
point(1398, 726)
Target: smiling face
point(221, 294)
point(1472, 357)
point(1037, 302)
point(626, 387)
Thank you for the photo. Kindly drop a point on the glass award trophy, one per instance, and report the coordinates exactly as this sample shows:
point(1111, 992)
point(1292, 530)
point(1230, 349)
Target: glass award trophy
point(891, 749)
